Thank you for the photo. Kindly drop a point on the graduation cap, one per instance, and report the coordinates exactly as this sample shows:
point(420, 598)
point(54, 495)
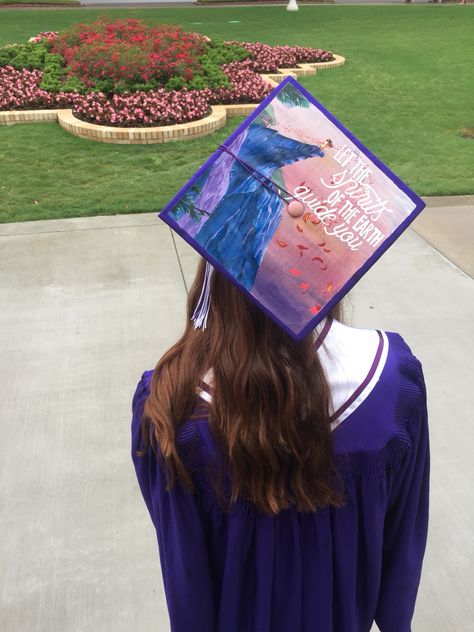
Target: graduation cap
point(292, 209)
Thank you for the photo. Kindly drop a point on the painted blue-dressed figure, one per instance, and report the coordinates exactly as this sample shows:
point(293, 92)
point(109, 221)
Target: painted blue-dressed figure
point(240, 226)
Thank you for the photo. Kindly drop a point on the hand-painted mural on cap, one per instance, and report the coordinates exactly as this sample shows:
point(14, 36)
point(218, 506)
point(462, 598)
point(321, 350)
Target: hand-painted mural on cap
point(292, 208)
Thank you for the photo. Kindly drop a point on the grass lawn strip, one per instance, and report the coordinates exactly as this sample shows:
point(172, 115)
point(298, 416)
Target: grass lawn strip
point(32, 3)
point(73, 177)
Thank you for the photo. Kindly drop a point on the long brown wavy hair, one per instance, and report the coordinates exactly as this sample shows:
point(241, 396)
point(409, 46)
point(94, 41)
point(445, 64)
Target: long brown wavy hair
point(269, 411)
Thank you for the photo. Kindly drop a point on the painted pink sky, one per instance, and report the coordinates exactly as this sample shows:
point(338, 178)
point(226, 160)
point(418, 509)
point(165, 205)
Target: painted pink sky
point(289, 262)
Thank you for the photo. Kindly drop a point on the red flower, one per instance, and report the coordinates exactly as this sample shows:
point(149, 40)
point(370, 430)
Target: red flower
point(129, 49)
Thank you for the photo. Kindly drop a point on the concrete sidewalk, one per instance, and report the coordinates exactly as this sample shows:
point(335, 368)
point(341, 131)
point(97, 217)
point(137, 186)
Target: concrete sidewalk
point(87, 305)
point(447, 224)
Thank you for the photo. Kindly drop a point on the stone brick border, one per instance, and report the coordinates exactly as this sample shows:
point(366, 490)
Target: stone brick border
point(164, 133)
point(143, 135)
point(304, 70)
point(8, 117)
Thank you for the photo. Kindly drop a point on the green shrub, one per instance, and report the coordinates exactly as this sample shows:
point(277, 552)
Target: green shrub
point(35, 56)
point(121, 86)
point(7, 54)
point(175, 83)
point(152, 84)
point(29, 55)
point(218, 53)
point(210, 73)
point(103, 85)
point(53, 72)
point(197, 83)
point(73, 84)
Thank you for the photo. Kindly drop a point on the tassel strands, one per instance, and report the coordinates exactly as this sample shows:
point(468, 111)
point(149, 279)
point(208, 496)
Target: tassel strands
point(201, 312)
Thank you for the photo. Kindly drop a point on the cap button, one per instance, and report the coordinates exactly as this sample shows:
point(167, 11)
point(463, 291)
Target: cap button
point(295, 208)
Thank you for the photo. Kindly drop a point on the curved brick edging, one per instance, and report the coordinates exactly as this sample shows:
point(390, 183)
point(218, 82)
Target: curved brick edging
point(143, 135)
point(338, 60)
point(304, 70)
point(8, 117)
point(163, 133)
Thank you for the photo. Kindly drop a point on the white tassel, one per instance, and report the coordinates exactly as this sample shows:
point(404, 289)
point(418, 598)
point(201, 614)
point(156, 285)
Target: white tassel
point(201, 312)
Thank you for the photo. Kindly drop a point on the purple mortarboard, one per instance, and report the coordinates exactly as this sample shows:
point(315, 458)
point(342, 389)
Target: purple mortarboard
point(292, 209)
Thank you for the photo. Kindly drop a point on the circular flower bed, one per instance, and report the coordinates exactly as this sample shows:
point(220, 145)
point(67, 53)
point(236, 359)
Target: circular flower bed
point(127, 73)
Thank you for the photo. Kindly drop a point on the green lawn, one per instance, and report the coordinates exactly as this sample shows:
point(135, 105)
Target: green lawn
point(67, 176)
point(42, 2)
point(405, 91)
point(232, 1)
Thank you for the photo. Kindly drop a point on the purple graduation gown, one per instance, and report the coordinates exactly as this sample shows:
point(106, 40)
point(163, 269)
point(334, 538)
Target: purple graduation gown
point(336, 570)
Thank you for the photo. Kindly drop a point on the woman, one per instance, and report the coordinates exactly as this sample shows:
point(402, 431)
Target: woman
point(287, 481)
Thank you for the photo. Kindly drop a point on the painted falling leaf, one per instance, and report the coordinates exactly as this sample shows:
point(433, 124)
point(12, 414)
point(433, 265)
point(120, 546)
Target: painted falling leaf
point(282, 244)
point(302, 249)
point(295, 271)
point(329, 287)
point(314, 309)
point(298, 228)
point(306, 217)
